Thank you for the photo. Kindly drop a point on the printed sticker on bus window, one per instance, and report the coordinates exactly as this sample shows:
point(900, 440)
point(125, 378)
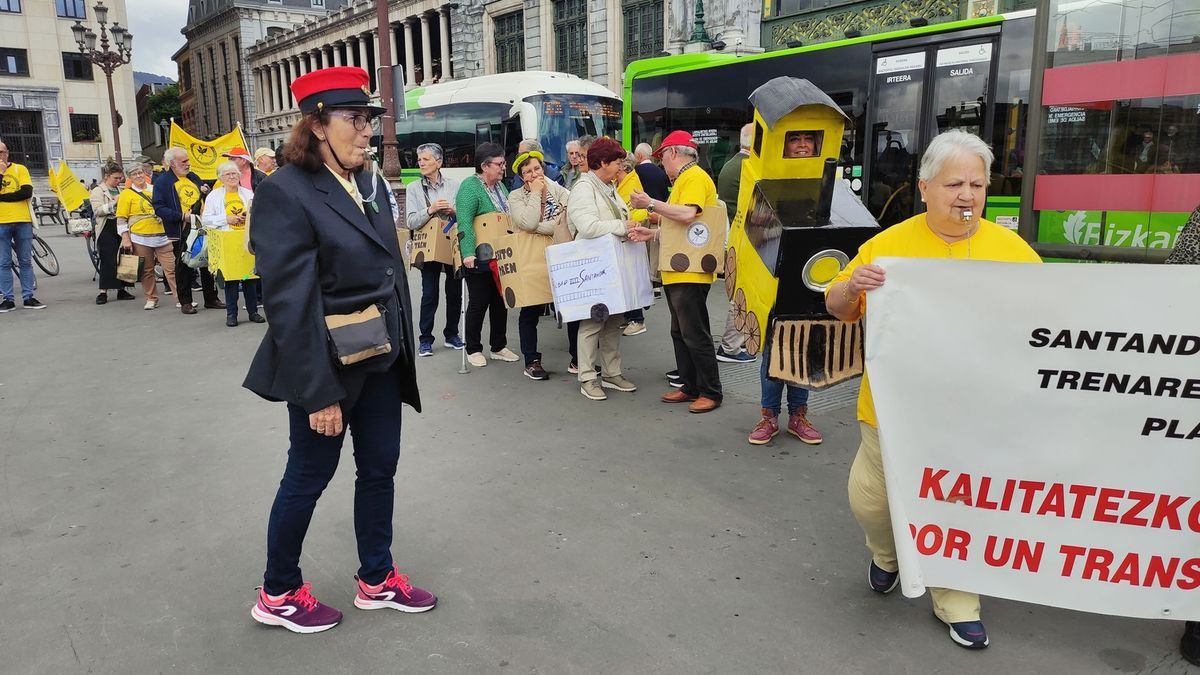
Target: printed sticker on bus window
point(900, 63)
point(957, 56)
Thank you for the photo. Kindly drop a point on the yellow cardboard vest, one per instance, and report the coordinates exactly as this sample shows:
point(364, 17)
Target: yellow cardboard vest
point(698, 246)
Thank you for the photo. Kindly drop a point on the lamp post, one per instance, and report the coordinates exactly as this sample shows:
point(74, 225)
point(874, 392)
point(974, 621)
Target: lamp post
point(391, 153)
point(107, 59)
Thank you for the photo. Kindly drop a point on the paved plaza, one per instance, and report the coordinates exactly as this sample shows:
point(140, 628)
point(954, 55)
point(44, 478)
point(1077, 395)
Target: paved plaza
point(561, 535)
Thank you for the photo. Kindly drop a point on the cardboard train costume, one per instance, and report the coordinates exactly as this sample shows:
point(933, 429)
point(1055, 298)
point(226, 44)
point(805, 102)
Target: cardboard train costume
point(797, 225)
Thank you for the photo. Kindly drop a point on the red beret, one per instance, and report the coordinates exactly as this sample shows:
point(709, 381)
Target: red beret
point(337, 87)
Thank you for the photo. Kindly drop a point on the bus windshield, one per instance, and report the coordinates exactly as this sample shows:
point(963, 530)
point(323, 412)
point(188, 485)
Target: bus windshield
point(565, 117)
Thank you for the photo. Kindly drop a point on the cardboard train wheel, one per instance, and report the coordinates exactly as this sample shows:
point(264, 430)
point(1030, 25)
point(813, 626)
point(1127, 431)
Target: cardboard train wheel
point(753, 335)
point(739, 310)
point(730, 272)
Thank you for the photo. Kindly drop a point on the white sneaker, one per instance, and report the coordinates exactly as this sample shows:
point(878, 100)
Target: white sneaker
point(476, 359)
point(150, 304)
point(505, 354)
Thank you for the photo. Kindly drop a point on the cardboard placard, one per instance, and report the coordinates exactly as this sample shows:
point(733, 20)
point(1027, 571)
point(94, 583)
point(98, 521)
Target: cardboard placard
point(524, 277)
point(605, 275)
point(490, 227)
point(698, 246)
point(436, 241)
point(404, 239)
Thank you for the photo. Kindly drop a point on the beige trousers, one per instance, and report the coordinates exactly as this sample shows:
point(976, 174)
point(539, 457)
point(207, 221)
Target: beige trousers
point(165, 255)
point(869, 502)
point(600, 340)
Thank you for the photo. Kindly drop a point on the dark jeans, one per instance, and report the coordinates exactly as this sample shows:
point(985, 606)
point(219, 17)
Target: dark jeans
point(430, 275)
point(772, 390)
point(312, 461)
point(184, 276)
point(484, 299)
point(635, 315)
point(695, 356)
point(249, 289)
point(527, 325)
point(573, 341)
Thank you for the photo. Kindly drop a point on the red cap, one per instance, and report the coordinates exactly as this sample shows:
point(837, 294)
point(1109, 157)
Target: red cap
point(237, 153)
point(337, 87)
point(677, 137)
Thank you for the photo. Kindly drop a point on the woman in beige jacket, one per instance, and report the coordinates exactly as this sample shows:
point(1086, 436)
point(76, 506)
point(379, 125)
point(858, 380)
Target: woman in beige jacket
point(538, 207)
point(596, 210)
point(108, 241)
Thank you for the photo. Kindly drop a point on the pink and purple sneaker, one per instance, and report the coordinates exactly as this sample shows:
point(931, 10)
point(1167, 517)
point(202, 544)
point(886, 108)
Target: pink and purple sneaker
point(297, 611)
point(800, 427)
point(394, 593)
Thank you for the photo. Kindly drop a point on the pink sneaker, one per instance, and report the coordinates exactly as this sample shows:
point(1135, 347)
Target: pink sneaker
point(297, 611)
point(766, 429)
point(800, 427)
point(394, 593)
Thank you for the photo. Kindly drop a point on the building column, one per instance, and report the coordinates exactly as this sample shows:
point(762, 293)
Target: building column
point(426, 55)
point(296, 64)
point(363, 47)
point(337, 53)
point(319, 58)
point(444, 23)
point(393, 43)
point(280, 83)
point(410, 69)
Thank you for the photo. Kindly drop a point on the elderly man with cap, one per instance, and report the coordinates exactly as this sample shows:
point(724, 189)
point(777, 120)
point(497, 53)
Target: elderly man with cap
point(179, 195)
point(687, 292)
point(251, 176)
point(339, 348)
point(264, 160)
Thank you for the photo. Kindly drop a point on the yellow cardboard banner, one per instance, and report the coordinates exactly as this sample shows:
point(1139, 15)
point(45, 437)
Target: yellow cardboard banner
point(227, 254)
point(206, 155)
point(67, 188)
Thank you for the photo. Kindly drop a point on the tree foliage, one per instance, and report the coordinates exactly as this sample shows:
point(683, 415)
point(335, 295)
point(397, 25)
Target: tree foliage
point(164, 104)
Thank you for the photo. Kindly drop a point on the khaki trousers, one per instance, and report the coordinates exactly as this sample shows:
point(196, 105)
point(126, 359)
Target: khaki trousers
point(599, 340)
point(165, 255)
point(869, 502)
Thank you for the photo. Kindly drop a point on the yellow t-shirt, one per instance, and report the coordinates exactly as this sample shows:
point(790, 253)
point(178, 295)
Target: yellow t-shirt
point(913, 239)
point(189, 194)
point(14, 177)
point(694, 188)
point(131, 206)
point(234, 206)
point(626, 188)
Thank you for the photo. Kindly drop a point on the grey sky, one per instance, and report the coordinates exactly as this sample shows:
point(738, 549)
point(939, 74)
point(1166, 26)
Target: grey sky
point(155, 25)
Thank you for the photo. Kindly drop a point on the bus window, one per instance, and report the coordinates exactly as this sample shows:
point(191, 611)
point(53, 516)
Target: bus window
point(1011, 112)
point(713, 105)
point(896, 121)
point(566, 117)
point(798, 144)
point(464, 122)
point(961, 80)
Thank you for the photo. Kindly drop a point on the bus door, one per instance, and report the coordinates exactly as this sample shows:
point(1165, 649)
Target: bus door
point(917, 93)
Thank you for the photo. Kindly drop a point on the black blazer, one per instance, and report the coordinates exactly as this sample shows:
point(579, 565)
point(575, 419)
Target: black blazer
point(318, 254)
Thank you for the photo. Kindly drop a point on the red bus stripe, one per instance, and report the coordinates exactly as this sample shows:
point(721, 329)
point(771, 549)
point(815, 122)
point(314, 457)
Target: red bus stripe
point(1154, 77)
point(1123, 192)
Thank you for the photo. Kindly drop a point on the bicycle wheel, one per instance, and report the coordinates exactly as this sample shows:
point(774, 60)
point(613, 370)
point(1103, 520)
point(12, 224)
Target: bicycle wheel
point(93, 253)
point(44, 256)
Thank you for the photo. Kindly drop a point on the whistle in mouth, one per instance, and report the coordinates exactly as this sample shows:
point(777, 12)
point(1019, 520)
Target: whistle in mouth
point(966, 215)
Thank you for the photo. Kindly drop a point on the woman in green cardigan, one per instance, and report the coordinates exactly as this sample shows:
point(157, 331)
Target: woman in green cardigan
point(479, 194)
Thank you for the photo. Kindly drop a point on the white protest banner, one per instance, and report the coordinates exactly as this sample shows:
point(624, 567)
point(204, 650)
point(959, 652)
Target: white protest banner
point(1040, 427)
point(608, 271)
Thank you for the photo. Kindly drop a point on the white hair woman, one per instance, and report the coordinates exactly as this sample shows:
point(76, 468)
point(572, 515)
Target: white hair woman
point(433, 197)
point(227, 207)
point(953, 182)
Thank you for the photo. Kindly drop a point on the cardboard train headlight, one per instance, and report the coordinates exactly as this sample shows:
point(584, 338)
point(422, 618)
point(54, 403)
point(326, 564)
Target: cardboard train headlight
point(797, 226)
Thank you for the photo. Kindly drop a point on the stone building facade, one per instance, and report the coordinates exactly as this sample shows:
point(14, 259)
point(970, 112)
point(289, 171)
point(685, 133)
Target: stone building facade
point(222, 91)
point(594, 39)
point(53, 105)
point(419, 40)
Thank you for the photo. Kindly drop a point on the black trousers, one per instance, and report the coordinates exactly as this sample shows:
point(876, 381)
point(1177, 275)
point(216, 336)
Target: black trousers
point(108, 247)
point(527, 325)
point(695, 356)
point(430, 275)
point(485, 299)
point(184, 276)
point(573, 341)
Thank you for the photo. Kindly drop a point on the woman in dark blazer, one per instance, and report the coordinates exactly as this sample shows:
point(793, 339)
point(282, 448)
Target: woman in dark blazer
point(325, 244)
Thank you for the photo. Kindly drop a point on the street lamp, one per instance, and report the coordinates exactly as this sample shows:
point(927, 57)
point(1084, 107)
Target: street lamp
point(107, 59)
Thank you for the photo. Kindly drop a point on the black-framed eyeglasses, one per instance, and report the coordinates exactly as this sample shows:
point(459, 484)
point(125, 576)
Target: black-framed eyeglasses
point(360, 120)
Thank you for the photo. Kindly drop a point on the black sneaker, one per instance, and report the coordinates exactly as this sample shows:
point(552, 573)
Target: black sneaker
point(124, 295)
point(34, 303)
point(7, 306)
point(102, 298)
point(969, 634)
point(881, 580)
point(231, 321)
point(673, 379)
point(535, 371)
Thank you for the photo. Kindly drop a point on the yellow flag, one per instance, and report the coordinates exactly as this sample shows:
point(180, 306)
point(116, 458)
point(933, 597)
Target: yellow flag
point(227, 254)
point(206, 155)
point(67, 187)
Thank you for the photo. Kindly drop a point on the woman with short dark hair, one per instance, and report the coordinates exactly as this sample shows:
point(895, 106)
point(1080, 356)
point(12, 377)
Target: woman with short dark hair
point(596, 210)
point(325, 246)
point(481, 194)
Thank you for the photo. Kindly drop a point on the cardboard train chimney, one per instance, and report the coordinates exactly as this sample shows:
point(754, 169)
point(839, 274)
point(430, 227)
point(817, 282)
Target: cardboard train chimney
point(797, 225)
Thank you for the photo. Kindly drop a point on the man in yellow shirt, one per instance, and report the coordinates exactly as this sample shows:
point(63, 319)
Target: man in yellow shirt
point(953, 181)
point(687, 292)
point(16, 227)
